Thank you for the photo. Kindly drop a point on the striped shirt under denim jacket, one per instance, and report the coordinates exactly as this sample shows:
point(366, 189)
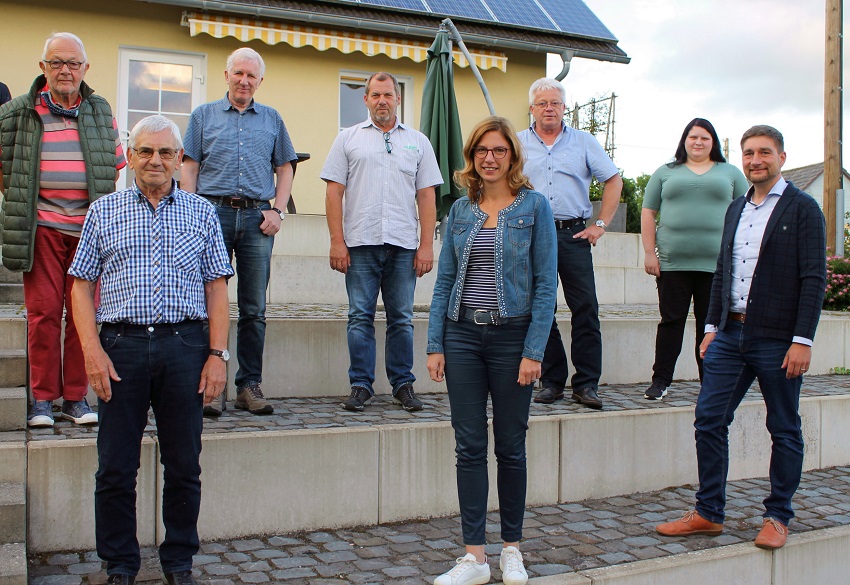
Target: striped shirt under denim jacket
point(153, 262)
point(526, 267)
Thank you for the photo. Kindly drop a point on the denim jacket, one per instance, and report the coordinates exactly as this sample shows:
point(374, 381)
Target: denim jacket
point(526, 267)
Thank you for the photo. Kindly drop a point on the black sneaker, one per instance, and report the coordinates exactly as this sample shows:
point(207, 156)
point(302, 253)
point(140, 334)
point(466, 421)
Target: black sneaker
point(656, 391)
point(359, 398)
point(407, 398)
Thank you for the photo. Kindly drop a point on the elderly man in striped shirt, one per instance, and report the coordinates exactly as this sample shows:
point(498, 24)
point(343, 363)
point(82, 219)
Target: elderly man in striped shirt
point(161, 261)
point(385, 171)
point(59, 152)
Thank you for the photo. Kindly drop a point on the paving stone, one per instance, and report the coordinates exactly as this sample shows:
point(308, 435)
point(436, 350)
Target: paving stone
point(293, 573)
point(246, 545)
point(254, 577)
point(237, 557)
point(84, 568)
point(63, 559)
point(396, 572)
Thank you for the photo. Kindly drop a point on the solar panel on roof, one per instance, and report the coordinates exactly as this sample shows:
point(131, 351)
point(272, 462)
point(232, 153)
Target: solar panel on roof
point(466, 8)
point(521, 12)
point(574, 16)
point(569, 16)
point(403, 4)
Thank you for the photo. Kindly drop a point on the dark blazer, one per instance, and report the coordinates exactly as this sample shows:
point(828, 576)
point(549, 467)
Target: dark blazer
point(787, 290)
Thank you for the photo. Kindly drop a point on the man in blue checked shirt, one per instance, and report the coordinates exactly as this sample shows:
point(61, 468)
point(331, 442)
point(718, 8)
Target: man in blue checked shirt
point(235, 149)
point(162, 264)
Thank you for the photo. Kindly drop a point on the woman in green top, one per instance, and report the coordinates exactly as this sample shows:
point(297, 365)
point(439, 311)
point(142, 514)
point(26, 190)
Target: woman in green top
point(688, 197)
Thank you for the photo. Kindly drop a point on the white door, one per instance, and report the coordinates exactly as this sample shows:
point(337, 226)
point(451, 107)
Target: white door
point(157, 82)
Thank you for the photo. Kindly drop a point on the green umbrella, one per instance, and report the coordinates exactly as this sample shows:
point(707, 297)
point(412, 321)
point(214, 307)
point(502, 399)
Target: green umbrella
point(440, 121)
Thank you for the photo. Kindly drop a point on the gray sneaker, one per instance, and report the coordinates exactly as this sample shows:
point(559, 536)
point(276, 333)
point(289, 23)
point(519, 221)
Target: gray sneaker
point(217, 406)
point(79, 412)
point(359, 398)
point(41, 414)
point(250, 398)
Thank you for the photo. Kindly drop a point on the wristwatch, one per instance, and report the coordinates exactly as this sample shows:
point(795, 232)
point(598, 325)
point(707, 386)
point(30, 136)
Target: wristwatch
point(222, 353)
point(600, 223)
point(279, 212)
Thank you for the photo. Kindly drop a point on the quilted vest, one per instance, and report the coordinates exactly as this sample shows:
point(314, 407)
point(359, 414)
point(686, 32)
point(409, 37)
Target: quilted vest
point(21, 131)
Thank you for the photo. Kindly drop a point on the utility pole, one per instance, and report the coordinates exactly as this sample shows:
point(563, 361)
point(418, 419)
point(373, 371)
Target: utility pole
point(726, 149)
point(832, 165)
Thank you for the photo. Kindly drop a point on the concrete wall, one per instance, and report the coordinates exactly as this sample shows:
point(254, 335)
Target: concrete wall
point(814, 557)
point(282, 481)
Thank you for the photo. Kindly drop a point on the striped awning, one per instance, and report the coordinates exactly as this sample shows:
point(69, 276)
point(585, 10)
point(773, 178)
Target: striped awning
point(272, 33)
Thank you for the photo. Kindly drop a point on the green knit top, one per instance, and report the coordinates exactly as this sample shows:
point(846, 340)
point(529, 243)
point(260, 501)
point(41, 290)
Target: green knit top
point(691, 209)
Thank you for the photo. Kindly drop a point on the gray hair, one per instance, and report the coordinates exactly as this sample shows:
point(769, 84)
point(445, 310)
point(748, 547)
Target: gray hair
point(545, 84)
point(152, 125)
point(64, 35)
point(246, 54)
point(763, 130)
point(382, 76)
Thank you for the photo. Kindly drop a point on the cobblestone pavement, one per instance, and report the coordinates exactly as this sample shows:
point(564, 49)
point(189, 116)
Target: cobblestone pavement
point(558, 539)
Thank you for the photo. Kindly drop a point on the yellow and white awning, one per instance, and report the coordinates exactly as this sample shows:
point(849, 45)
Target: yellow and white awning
point(272, 33)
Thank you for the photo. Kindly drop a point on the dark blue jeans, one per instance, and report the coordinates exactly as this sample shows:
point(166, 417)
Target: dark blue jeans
point(388, 269)
point(484, 360)
point(159, 369)
point(732, 362)
point(675, 290)
point(253, 251)
point(575, 269)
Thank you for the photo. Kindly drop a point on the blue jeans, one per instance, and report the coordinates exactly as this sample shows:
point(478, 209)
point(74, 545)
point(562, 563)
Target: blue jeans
point(732, 362)
point(253, 251)
point(484, 360)
point(159, 369)
point(575, 269)
point(388, 269)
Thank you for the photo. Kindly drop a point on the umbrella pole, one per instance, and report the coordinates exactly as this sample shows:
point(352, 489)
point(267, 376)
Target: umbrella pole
point(456, 35)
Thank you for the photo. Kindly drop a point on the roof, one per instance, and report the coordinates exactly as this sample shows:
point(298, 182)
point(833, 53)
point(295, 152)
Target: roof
point(368, 18)
point(803, 177)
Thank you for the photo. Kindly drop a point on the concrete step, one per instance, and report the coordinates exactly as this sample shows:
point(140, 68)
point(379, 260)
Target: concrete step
point(7, 276)
point(335, 469)
point(11, 293)
point(306, 351)
point(13, 367)
point(13, 457)
point(13, 327)
point(13, 409)
point(13, 513)
point(13, 564)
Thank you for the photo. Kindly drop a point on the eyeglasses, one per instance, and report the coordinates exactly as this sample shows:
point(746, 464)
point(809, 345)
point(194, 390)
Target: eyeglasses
point(164, 153)
point(498, 152)
point(59, 63)
point(545, 105)
point(387, 142)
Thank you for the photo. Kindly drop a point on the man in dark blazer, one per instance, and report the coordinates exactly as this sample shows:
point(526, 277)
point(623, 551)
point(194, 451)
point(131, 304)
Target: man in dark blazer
point(766, 299)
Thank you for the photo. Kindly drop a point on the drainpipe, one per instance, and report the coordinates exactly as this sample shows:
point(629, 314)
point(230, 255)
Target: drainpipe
point(567, 56)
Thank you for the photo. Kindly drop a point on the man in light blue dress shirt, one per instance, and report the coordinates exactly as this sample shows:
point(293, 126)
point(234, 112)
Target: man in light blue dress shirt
point(379, 173)
point(235, 149)
point(561, 162)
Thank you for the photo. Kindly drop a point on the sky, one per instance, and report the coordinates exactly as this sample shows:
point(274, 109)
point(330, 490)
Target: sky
point(734, 62)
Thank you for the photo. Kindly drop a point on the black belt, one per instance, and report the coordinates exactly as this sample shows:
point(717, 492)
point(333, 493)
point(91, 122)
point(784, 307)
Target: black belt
point(485, 317)
point(236, 202)
point(134, 330)
point(568, 223)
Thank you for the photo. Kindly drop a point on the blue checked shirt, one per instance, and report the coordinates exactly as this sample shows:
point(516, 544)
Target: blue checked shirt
point(152, 263)
point(237, 151)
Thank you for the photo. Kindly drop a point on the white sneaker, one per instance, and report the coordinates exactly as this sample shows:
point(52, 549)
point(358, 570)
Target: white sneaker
point(466, 572)
point(510, 563)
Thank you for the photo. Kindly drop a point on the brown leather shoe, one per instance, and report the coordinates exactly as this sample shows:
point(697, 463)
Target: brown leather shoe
point(691, 523)
point(588, 397)
point(772, 535)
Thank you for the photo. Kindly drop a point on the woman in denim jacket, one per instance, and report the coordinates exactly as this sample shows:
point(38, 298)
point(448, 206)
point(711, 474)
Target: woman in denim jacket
point(490, 318)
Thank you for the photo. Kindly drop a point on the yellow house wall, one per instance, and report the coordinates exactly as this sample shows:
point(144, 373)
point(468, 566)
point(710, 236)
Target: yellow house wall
point(302, 84)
